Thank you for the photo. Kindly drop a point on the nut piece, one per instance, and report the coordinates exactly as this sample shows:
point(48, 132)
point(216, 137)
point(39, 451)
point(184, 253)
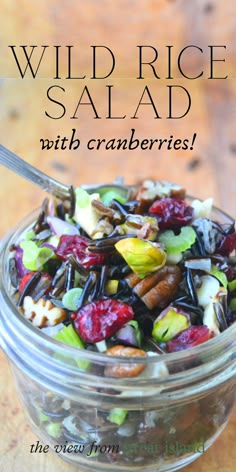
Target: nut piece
point(151, 191)
point(124, 370)
point(103, 228)
point(142, 256)
point(42, 313)
point(103, 209)
point(157, 289)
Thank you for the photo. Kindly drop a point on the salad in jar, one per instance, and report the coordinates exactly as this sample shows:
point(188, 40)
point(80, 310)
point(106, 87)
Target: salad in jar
point(134, 277)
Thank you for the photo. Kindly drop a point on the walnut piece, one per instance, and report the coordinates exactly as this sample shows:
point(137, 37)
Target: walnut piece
point(42, 313)
point(151, 191)
point(103, 228)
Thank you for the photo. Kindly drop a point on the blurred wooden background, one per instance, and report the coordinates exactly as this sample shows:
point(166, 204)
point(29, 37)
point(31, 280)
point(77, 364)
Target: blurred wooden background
point(208, 170)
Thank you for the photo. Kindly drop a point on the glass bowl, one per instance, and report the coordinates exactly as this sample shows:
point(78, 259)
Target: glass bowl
point(173, 413)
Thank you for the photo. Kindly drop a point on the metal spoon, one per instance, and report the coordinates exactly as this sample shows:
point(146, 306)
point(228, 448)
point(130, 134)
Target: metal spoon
point(50, 185)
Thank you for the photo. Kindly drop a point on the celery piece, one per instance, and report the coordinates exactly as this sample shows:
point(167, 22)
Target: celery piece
point(178, 243)
point(136, 327)
point(101, 346)
point(117, 416)
point(54, 429)
point(232, 285)
point(174, 259)
point(112, 195)
point(233, 304)
point(35, 257)
point(219, 276)
point(82, 197)
point(43, 418)
point(85, 214)
point(68, 219)
point(71, 298)
point(29, 235)
point(68, 335)
point(53, 240)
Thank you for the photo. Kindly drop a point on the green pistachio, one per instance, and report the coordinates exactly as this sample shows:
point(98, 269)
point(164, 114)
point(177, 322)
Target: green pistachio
point(170, 323)
point(142, 256)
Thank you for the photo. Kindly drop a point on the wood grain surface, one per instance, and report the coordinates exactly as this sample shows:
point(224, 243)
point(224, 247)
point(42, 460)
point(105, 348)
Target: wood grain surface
point(207, 170)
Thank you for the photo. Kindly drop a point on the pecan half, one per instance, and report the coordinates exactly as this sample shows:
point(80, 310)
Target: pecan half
point(42, 313)
point(151, 191)
point(157, 289)
point(103, 209)
point(124, 370)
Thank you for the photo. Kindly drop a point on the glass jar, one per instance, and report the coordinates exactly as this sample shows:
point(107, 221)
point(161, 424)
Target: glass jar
point(161, 420)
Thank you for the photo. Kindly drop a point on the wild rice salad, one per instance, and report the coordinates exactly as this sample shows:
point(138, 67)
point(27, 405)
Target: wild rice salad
point(127, 276)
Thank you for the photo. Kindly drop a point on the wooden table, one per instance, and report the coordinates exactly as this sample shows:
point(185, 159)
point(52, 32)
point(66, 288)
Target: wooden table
point(208, 170)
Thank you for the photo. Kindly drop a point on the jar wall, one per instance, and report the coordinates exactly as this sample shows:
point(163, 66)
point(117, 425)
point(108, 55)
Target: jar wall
point(164, 439)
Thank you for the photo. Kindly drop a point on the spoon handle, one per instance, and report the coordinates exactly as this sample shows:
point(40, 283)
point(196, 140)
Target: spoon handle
point(21, 167)
point(50, 185)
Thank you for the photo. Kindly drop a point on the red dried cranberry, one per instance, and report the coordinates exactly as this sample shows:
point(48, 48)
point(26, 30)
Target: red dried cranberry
point(228, 245)
point(78, 247)
point(230, 273)
point(43, 285)
point(101, 319)
point(171, 212)
point(25, 279)
point(190, 337)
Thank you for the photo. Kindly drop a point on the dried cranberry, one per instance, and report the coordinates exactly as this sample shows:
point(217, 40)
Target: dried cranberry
point(228, 245)
point(43, 285)
point(171, 212)
point(78, 246)
point(190, 337)
point(25, 279)
point(101, 319)
point(230, 273)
